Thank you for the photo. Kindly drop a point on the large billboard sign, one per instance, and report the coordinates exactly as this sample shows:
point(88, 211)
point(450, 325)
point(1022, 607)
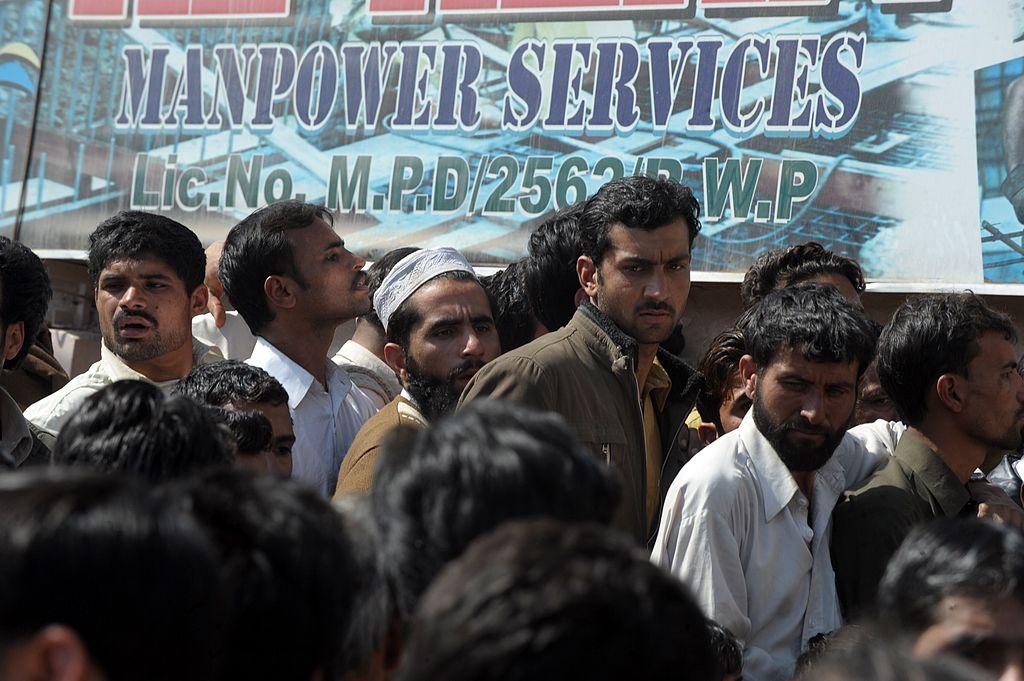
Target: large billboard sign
point(876, 127)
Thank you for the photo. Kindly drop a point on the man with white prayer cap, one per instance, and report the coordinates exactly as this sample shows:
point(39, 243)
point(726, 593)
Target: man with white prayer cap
point(440, 332)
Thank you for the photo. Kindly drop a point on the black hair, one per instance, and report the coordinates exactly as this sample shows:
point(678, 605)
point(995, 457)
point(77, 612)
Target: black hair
point(257, 248)
point(488, 463)
point(726, 649)
point(98, 554)
point(231, 382)
point(406, 316)
point(251, 431)
point(546, 600)
point(132, 427)
point(549, 271)
point(813, 319)
point(375, 274)
point(287, 563)
point(719, 365)
point(134, 234)
point(636, 202)
point(513, 317)
point(929, 336)
point(25, 293)
point(950, 557)
point(779, 268)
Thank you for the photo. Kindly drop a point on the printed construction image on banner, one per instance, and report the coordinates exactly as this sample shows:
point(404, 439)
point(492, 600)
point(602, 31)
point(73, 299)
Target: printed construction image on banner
point(468, 122)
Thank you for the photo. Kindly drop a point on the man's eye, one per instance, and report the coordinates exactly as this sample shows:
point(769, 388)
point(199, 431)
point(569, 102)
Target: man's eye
point(284, 451)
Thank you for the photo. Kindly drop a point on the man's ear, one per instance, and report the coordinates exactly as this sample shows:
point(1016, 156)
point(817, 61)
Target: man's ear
point(199, 300)
point(707, 432)
point(748, 374)
point(394, 355)
point(14, 340)
point(950, 391)
point(580, 296)
point(280, 291)
point(55, 653)
point(586, 270)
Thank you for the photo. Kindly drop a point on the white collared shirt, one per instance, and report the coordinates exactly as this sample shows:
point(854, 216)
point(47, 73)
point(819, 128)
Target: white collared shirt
point(754, 553)
point(234, 339)
point(53, 411)
point(371, 374)
point(325, 421)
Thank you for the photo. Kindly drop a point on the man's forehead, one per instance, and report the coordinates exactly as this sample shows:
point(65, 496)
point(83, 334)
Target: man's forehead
point(316, 235)
point(789, 360)
point(146, 266)
point(995, 349)
point(442, 297)
point(668, 241)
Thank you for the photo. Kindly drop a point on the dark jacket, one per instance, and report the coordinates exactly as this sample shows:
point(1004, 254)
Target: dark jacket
point(586, 372)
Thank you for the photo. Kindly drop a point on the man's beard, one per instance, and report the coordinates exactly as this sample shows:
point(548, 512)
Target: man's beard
point(435, 396)
point(131, 350)
point(798, 458)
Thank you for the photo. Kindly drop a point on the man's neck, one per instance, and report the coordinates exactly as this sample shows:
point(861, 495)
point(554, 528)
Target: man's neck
point(169, 366)
point(962, 454)
point(303, 344)
point(804, 482)
point(645, 356)
point(371, 337)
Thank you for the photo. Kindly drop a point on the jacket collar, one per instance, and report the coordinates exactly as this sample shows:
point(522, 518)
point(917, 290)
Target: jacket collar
point(608, 341)
point(933, 473)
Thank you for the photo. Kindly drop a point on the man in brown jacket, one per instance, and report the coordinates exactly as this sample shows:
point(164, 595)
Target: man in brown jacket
point(604, 372)
point(440, 332)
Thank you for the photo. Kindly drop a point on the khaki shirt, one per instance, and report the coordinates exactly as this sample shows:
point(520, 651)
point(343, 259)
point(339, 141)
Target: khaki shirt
point(654, 394)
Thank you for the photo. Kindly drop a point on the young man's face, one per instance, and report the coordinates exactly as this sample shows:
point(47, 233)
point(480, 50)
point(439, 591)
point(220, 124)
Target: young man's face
point(144, 308)
point(993, 394)
point(278, 460)
point(643, 280)
point(989, 634)
point(802, 407)
point(335, 283)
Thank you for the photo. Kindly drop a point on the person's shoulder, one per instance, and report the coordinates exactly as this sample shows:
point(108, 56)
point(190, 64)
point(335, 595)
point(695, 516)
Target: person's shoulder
point(884, 500)
point(717, 475)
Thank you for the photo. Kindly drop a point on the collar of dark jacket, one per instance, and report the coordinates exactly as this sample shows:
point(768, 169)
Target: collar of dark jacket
point(932, 471)
point(608, 341)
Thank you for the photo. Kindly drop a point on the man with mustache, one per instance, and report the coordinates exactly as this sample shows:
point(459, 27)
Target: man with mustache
point(949, 364)
point(147, 274)
point(746, 521)
point(440, 332)
point(292, 280)
point(604, 372)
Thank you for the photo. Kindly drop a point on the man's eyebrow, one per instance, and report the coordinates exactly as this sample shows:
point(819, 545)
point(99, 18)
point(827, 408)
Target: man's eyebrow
point(482, 319)
point(290, 439)
point(337, 243)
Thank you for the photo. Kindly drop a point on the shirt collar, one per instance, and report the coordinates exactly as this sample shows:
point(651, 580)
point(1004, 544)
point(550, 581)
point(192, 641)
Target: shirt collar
point(16, 438)
point(354, 353)
point(658, 385)
point(119, 371)
point(295, 380)
point(777, 484)
point(932, 471)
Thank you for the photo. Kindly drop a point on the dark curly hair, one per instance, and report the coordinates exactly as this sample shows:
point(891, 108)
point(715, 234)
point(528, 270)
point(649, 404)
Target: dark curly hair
point(549, 270)
point(779, 268)
point(25, 293)
point(134, 234)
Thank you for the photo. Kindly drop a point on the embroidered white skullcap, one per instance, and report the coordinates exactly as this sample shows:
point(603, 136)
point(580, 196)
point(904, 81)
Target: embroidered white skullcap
point(411, 272)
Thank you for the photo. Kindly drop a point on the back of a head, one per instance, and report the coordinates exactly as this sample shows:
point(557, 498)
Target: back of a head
point(133, 235)
point(779, 268)
point(256, 248)
point(813, 319)
point(927, 337)
point(289, 571)
point(549, 270)
point(132, 427)
point(544, 601)
point(375, 274)
point(25, 293)
point(99, 555)
point(488, 463)
point(513, 317)
point(231, 382)
point(950, 557)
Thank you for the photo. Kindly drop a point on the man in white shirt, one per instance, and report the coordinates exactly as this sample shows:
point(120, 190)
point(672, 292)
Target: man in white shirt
point(147, 275)
point(746, 521)
point(293, 282)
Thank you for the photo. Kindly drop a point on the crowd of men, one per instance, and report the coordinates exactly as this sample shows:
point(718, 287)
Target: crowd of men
point(508, 478)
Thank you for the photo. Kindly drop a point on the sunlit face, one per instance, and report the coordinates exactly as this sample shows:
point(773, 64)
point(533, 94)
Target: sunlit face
point(993, 394)
point(989, 634)
point(801, 406)
point(333, 288)
point(643, 280)
point(277, 460)
point(144, 308)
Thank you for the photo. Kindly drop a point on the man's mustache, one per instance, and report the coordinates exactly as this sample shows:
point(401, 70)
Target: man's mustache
point(804, 426)
point(657, 306)
point(465, 366)
point(120, 317)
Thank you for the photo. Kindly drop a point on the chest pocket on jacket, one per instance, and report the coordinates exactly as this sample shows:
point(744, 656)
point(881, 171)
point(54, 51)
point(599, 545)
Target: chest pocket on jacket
point(607, 444)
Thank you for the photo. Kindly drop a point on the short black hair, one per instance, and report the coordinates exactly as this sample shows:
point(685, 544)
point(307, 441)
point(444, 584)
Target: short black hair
point(251, 431)
point(726, 648)
point(288, 566)
point(929, 336)
point(132, 427)
point(513, 317)
point(779, 268)
point(546, 600)
point(813, 319)
point(134, 234)
point(549, 270)
point(490, 462)
point(231, 382)
point(637, 202)
point(257, 248)
point(98, 554)
point(406, 316)
point(719, 365)
point(950, 557)
point(25, 293)
point(375, 274)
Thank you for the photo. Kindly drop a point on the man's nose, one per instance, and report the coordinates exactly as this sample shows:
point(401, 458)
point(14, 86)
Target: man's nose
point(133, 297)
point(656, 286)
point(474, 347)
point(813, 408)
